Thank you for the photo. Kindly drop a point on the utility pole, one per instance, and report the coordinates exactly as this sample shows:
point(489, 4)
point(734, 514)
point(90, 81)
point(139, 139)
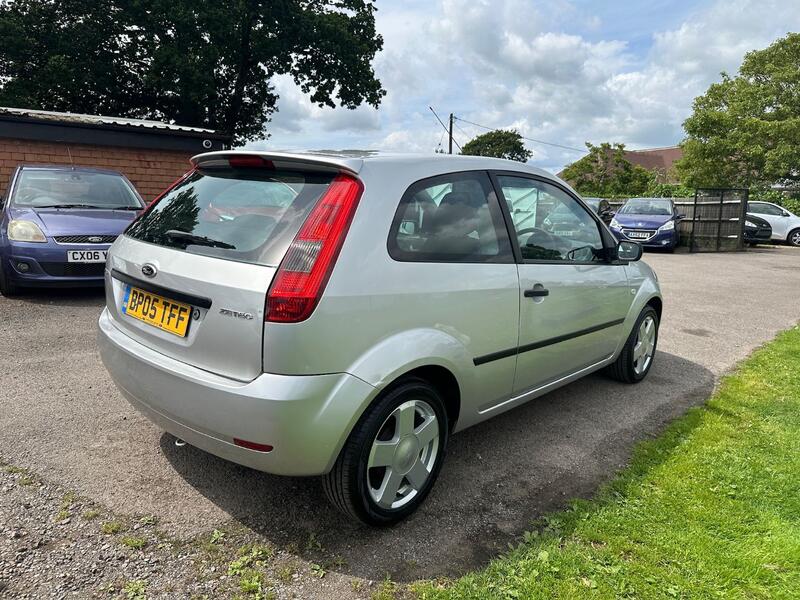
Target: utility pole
point(450, 145)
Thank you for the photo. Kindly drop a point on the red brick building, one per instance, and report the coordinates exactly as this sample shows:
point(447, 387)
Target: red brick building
point(151, 154)
point(660, 160)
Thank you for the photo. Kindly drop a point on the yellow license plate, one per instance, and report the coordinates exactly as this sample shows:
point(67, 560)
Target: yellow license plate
point(157, 311)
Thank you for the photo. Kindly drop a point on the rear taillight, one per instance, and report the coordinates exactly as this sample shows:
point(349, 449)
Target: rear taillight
point(304, 271)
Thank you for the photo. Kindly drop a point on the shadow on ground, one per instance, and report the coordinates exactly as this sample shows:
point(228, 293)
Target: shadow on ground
point(86, 296)
point(498, 477)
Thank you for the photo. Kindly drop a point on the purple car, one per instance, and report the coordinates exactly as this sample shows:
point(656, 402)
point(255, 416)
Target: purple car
point(57, 223)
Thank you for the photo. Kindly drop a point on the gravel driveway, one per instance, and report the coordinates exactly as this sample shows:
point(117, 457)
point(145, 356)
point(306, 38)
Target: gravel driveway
point(61, 417)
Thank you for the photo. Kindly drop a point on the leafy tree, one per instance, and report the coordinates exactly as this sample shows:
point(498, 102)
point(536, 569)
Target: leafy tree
point(605, 172)
point(498, 144)
point(745, 130)
point(667, 190)
point(204, 63)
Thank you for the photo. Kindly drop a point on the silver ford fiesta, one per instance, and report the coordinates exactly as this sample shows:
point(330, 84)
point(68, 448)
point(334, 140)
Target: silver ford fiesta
point(343, 315)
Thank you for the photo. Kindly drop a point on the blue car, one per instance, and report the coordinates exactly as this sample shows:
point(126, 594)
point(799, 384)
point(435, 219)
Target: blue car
point(653, 222)
point(57, 223)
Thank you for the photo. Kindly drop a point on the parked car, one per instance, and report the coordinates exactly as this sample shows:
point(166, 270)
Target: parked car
point(563, 218)
point(653, 222)
point(602, 207)
point(57, 223)
point(785, 224)
point(757, 230)
point(348, 333)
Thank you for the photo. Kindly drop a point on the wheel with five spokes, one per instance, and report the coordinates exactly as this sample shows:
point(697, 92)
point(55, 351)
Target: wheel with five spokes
point(393, 455)
point(636, 357)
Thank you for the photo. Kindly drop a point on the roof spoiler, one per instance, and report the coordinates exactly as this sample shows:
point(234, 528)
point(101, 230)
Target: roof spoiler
point(277, 160)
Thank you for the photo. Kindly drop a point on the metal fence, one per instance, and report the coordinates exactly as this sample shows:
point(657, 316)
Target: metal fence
point(716, 220)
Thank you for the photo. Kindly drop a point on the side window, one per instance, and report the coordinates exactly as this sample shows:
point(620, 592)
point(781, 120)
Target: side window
point(550, 224)
point(450, 218)
point(760, 208)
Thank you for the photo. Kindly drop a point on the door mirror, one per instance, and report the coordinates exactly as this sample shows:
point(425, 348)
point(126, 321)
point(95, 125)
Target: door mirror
point(680, 216)
point(785, 214)
point(630, 251)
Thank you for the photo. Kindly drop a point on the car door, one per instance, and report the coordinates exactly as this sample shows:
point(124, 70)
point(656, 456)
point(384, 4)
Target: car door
point(774, 215)
point(572, 300)
point(454, 272)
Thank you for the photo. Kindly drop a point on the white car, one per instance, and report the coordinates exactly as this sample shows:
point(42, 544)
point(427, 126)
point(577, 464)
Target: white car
point(785, 225)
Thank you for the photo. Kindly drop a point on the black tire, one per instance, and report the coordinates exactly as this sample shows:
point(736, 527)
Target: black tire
point(793, 239)
point(346, 486)
point(7, 288)
point(623, 369)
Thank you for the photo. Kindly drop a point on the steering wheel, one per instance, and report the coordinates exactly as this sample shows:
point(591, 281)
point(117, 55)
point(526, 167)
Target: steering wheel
point(540, 237)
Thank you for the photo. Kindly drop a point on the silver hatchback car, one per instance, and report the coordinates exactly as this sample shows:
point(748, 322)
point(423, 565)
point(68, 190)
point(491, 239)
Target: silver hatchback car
point(343, 315)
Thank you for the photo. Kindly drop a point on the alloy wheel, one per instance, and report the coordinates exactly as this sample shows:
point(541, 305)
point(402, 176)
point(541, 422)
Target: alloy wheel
point(645, 345)
point(795, 238)
point(403, 454)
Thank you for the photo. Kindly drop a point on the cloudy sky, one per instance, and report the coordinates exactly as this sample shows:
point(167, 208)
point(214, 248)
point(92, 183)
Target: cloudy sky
point(561, 71)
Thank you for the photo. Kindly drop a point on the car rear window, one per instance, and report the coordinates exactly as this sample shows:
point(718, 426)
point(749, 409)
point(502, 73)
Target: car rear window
point(247, 215)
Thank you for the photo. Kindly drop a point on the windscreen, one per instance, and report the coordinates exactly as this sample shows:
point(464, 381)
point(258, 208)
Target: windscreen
point(65, 188)
point(647, 207)
point(247, 215)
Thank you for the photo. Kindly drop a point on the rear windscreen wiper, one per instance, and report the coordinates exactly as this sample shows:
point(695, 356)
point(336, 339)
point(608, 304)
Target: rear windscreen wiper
point(198, 240)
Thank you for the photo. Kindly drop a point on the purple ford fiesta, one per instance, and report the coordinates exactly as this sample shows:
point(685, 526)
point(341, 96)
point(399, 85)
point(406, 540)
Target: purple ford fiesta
point(57, 223)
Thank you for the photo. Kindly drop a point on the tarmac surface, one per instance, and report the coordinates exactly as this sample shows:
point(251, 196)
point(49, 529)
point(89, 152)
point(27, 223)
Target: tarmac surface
point(61, 417)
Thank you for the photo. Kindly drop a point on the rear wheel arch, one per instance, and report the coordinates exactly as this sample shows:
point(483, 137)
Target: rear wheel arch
point(445, 383)
point(657, 304)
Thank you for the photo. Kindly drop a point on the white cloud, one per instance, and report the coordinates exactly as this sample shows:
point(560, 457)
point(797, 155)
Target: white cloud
point(545, 68)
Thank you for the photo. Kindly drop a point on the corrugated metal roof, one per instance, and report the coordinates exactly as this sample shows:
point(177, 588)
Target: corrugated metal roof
point(77, 118)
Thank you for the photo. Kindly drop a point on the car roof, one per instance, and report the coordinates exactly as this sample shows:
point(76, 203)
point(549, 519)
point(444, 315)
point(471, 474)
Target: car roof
point(70, 168)
point(354, 160)
point(667, 199)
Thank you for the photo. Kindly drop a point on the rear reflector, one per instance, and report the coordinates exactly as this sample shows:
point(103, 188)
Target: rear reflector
point(306, 268)
point(252, 445)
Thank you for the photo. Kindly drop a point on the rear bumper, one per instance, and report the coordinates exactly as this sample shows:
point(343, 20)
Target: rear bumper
point(305, 418)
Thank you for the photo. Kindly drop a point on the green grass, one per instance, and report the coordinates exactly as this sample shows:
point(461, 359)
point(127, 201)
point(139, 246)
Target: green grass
point(135, 589)
point(710, 509)
point(133, 542)
point(111, 527)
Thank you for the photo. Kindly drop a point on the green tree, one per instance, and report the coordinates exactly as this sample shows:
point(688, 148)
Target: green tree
point(745, 130)
point(499, 144)
point(193, 62)
point(605, 172)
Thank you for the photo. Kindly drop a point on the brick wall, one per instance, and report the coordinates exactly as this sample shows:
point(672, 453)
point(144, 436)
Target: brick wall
point(149, 170)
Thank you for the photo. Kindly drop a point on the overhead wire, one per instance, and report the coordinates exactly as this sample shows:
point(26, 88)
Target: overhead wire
point(444, 127)
point(583, 151)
